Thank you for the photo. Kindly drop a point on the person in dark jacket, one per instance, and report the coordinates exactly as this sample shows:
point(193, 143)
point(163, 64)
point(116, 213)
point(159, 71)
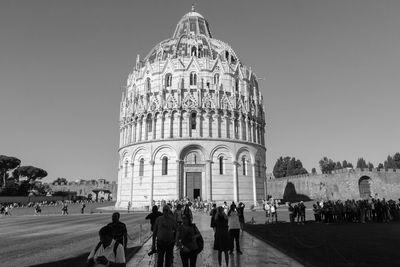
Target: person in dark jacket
point(153, 216)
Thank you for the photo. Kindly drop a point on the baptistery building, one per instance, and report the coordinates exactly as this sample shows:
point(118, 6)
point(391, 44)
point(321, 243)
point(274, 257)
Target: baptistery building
point(192, 123)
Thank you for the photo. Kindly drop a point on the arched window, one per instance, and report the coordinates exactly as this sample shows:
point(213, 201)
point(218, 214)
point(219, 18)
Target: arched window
point(126, 169)
point(194, 51)
point(221, 165)
point(148, 84)
point(168, 80)
point(237, 85)
point(141, 167)
point(216, 79)
point(149, 125)
point(258, 168)
point(164, 166)
point(193, 78)
point(244, 166)
point(227, 55)
point(193, 121)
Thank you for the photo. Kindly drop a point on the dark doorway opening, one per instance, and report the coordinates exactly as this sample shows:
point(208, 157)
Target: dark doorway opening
point(193, 185)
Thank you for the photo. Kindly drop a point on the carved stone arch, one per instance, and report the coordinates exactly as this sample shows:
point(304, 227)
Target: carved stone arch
point(160, 148)
point(225, 103)
point(247, 151)
point(192, 147)
point(221, 147)
point(138, 153)
point(123, 157)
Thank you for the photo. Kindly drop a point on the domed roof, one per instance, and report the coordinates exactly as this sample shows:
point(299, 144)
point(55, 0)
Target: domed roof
point(192, 37)
point(192, 23)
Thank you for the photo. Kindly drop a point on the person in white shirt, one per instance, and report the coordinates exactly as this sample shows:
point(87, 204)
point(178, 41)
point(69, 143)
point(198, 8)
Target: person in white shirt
point(107, 252)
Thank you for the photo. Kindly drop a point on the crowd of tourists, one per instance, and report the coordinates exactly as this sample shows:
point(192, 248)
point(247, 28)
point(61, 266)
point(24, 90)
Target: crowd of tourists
point(361, 211)
point(174, 227)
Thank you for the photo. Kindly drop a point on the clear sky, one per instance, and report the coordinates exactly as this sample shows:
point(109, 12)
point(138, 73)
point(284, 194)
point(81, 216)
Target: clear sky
point(331, 74)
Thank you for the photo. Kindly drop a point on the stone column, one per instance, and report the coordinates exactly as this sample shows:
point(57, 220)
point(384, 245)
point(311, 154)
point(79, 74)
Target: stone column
point(247, 130)
point(178, 178)
point(145, 129)
point(226, 118)
point(188, 126)
point(129, 128)
point(209, 179)
point(119, 186)
point(198, 124)
point(252, 131)
point(167, 133)
point(171, 128)
point(132, 174)
point(235, 181)
point(121, 135)
point(241, 134)
point(133, 138)
point(232, 128)
point(160, 125)
point(139, 134)
point(215, 126)
point(151, 184)
point(179, 118)
point(153, 127)
point(254, 185)
point(206, 132)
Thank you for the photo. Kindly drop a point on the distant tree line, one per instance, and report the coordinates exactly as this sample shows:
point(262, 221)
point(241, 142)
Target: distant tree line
point(20, 180)
point(289, 166)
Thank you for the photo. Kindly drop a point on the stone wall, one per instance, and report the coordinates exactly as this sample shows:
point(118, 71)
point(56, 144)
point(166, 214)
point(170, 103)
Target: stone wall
point(342, 184)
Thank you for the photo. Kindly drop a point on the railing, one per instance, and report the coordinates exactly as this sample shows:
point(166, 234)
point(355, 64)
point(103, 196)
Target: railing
point(139, 234)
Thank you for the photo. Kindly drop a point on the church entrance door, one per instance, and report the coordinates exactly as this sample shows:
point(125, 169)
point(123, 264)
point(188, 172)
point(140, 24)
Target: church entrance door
point(193, 185)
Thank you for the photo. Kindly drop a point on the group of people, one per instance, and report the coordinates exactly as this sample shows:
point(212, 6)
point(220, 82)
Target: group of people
point(362, 211)
point(271, 211)
point(110, 251)
point(174, 227)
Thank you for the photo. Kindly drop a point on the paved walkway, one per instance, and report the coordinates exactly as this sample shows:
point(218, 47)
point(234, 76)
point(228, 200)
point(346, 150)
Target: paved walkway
point(255, 252)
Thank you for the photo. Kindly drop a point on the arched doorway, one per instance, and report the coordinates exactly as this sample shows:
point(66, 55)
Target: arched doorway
point(364, 185)
point(193, 173)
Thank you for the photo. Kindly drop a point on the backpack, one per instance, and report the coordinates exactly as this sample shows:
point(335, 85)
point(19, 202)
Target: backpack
point(114, 249)
point(199, 239)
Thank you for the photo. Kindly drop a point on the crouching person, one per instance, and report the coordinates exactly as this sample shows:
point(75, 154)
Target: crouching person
point(107, 252)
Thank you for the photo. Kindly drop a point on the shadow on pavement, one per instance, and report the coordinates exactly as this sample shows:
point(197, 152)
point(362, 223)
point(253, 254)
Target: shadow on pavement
point(80, 261)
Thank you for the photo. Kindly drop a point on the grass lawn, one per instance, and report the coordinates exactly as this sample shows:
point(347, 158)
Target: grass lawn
point(371, 244)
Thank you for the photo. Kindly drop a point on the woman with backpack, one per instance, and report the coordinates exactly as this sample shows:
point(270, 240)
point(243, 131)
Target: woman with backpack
point(189, 241)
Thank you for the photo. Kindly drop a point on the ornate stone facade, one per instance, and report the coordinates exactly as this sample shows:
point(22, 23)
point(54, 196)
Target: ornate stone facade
point(192, 123)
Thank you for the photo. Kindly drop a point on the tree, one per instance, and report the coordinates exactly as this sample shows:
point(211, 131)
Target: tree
point(326, 165)
point(60, 181)
point(288, 166)
point(338, 166)
point(313, 171)
point(389, 163)
point(370, 165)
point(7, 164)
point(31, 173)
point(361, 163)
point(396, 160)
point(380, 166)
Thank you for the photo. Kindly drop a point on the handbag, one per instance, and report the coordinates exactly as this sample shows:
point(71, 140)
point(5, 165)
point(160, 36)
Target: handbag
point(199, 239)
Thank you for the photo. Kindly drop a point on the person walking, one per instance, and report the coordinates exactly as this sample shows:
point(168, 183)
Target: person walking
point(153, 216)
point(186, 241)
point(234, 228)
point(222, 240)
point(213, 211)
point(164, 237)
point(178, 214)
point(120, 233)
point(240, 211)
point(64, 209)
point(83, 206)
